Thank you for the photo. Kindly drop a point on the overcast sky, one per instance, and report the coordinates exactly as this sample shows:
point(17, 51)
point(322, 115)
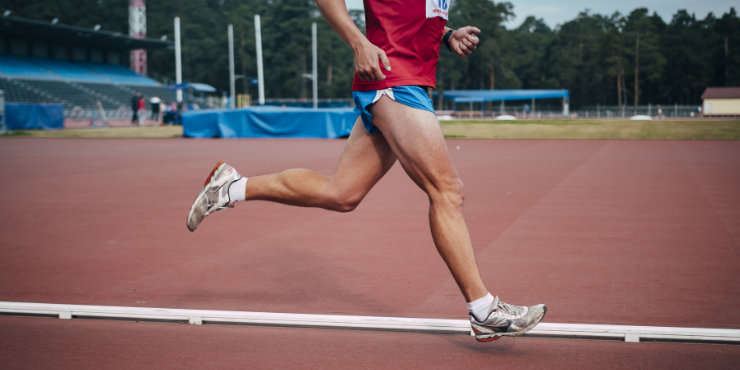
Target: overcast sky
point(555, 13)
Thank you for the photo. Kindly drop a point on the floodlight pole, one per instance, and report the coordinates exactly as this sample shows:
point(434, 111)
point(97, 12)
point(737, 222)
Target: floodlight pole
point(232, 80)
point(315, 76)
point(137, 29)
point(260, 72)
point(3, 129)
point(178, 61)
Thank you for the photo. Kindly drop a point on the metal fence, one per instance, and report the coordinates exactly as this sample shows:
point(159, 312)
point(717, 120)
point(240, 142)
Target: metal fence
point(519, 111)
point(651, 110)
point(552, 111)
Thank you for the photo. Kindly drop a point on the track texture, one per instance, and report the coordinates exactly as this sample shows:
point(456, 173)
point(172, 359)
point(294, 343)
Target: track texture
point(613, 232)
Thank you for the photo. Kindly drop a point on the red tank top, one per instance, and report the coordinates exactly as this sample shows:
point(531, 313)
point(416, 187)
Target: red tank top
point(409, 31)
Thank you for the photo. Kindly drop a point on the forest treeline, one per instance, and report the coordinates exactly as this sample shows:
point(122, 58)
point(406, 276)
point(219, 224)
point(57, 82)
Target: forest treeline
point(629, 59)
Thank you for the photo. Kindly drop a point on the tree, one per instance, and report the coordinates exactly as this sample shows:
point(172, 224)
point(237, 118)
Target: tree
point(614, 55)
point(642, 32)
point(727, 58)
point(684, 44)
point(241, 14)
point(336, 60)
point(525, 48)
point(480, 69)
point(574, 60)
point(600, 59)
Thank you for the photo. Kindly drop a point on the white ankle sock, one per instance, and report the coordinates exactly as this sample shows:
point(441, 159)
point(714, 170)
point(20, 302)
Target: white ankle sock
point(479, 307)
point(237, 190)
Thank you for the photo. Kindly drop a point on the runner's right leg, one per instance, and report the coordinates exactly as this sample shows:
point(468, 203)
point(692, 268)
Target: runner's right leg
point(366, 158)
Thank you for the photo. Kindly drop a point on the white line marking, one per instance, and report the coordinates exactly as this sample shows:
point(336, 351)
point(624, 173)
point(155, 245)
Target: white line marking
point(452, 326)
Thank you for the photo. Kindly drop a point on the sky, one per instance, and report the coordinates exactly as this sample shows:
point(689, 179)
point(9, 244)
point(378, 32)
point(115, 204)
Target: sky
point(556, 13)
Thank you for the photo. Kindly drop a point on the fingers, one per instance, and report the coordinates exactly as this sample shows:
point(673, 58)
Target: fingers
point(473, 30)
point(370, 73)
point(463, 47)
point(385, 61)
point(465, 40)
point(368, 62)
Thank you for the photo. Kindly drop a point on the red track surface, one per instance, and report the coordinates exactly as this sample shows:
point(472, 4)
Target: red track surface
point(82, 344)
point(614, 232)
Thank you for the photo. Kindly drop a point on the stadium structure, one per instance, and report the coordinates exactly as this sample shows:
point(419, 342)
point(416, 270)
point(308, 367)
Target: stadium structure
point(49, 62)
point(82, 69)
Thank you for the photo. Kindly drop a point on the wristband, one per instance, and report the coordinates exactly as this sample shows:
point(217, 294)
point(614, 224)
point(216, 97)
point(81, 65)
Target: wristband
point(446, 39)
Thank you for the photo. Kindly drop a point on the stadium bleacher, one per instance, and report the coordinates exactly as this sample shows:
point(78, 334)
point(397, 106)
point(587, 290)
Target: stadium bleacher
point(76, 85)
point(46, 68)
point(20, 93)
point(51, 62)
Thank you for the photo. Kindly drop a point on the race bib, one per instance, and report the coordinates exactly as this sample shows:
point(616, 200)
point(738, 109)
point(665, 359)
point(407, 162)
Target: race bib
point(438, 8)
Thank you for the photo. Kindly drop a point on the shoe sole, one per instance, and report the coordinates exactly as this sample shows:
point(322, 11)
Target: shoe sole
point(513, 334)
point(216, 170)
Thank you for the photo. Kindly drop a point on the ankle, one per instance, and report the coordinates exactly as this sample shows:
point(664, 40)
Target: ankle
point(237, 190)
point(480, 307)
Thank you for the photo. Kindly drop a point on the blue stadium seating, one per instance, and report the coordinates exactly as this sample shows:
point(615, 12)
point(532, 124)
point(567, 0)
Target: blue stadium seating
point(34, 67)
point(22, 67)
point(75, 85)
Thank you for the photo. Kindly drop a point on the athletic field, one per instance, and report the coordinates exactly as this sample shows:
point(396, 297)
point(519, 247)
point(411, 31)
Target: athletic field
point(624, 233)
point(694, 129)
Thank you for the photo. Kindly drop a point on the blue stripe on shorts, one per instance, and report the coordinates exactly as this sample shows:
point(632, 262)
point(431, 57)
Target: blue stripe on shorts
point(412, 96)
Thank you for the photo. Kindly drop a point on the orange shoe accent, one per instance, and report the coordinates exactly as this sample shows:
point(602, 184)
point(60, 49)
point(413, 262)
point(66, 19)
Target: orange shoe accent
point(488, 339)
point(213, 172)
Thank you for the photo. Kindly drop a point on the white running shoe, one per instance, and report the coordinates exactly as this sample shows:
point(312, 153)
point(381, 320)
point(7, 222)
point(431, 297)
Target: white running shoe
point(507, 320)
point(214, 196)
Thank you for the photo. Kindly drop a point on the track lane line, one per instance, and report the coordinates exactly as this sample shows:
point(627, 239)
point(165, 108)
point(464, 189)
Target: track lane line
point(627, 333)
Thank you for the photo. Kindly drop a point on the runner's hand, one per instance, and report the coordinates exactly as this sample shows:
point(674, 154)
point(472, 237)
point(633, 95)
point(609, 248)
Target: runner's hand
point(367, 62)
point(464, 40)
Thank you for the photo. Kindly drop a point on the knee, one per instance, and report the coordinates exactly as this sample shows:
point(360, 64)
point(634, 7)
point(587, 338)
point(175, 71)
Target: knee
point(451, 193)
point(345, 206)
point(343, 201)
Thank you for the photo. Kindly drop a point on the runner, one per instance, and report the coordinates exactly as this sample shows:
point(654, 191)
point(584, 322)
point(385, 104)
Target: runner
point(393, 64)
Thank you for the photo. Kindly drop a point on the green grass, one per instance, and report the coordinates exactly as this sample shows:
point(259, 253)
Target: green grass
point(594, 129)
point(105, 133)
point(570, 129)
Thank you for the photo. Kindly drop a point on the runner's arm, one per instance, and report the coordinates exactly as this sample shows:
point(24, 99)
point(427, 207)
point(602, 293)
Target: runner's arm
point(367, 56)
point(461, 41)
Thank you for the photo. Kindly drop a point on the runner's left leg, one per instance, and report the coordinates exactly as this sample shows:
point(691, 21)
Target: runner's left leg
point(416, 139)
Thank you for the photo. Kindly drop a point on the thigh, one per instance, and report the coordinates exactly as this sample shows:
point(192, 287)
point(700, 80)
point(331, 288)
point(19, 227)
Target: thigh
point(416, 139)
point(364, 161)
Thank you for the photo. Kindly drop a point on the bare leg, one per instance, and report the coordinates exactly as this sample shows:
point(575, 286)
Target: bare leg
point(366, 158)
point(417, 141)
point(414, 137)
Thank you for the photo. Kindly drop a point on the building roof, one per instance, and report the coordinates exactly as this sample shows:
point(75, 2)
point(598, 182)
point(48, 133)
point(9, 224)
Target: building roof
point(471, 96)
point(721, 93)
point(28, 29)
point(199, 87)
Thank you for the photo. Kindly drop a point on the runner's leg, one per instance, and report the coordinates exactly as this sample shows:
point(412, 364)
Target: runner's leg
point(417, 141)
point(366, 158)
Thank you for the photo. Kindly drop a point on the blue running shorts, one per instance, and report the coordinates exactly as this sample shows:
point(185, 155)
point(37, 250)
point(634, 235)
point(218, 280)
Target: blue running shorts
point(412, 96)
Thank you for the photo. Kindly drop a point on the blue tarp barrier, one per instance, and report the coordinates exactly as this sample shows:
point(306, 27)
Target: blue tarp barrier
point(25, 116)
point(266, 122)
point(309, 104)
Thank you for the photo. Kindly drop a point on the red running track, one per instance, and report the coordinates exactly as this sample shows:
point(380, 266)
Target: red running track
point(35, 343)
point(612, 232)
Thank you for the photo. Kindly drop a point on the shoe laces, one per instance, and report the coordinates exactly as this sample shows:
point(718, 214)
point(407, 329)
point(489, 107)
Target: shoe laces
point(212, 201)
point(507, 310)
